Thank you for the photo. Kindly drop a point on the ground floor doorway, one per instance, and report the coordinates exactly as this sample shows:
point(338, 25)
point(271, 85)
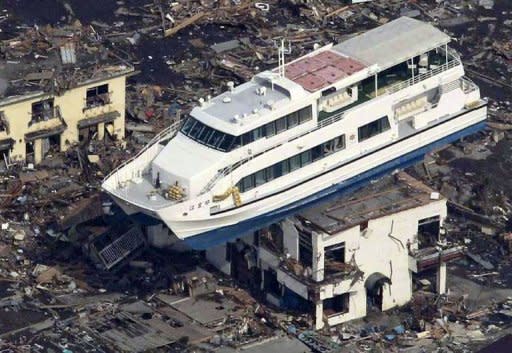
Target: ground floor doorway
point(374, 285)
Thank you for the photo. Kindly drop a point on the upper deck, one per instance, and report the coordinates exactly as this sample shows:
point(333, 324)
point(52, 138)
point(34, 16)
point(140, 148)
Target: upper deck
point(269, 95)
point(393, 43)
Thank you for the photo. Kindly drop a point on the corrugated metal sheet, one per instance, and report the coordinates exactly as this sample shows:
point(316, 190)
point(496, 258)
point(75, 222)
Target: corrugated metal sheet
point(68, 53)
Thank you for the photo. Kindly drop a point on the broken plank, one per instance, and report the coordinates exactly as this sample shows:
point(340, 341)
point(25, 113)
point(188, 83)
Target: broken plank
point(185, 23)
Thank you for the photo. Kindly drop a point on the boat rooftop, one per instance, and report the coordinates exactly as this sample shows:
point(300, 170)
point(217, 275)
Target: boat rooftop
point(393, 43)
point(349, 62)
point(391, 194)
point(321, 70)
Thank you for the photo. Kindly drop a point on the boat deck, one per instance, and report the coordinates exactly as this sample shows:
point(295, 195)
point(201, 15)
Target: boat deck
point(142, 192)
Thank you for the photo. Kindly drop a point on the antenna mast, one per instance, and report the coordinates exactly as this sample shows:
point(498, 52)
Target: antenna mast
point(281, 51)
point(281, 59)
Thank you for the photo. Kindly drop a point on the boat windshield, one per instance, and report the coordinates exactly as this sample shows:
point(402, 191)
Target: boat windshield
point(208, 136)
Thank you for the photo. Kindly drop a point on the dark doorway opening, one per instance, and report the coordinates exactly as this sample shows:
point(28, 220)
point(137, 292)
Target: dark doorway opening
point(428, 231)
point(29, 152)
point(87, 133)
point(375, 290)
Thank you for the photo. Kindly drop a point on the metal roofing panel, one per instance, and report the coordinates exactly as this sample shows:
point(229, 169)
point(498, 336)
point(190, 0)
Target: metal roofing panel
point(331, 74)
point(322, 69)
point(311, 82)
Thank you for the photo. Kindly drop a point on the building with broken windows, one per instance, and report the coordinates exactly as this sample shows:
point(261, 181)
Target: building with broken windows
point(344, 258)
point(58, 87)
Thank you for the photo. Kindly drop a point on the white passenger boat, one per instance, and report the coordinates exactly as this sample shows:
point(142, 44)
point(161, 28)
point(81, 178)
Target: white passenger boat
point(311, 128)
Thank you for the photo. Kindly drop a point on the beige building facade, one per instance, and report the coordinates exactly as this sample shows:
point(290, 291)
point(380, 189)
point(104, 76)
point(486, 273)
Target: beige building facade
point(33, 124)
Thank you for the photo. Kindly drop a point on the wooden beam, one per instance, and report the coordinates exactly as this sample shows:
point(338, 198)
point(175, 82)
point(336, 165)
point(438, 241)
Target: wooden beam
point(337, 11)
point(185, 23)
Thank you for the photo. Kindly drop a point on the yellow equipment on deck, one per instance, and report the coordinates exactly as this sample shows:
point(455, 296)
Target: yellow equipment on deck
point(234, 192)
point(175, 192)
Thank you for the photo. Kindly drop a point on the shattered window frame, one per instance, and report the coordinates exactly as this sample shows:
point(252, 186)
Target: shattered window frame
point(42, 110)
point(97, 96)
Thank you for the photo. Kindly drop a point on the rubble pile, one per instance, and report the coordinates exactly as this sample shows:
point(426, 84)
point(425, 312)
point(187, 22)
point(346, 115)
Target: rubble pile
point(55, 59)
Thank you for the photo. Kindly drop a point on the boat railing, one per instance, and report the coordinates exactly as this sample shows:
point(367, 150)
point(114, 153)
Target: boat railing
point(421, 77)
point(166, 133)
point(330, 120)
point(468, 86)
point(224, 172)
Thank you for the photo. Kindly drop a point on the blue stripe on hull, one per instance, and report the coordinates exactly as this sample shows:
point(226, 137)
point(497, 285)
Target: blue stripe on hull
point(222, 235)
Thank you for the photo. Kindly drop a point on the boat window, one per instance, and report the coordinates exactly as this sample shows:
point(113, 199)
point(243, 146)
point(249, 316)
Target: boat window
point(237, 142)
point(258, 133)
point(226, 142)
point(269, 173)
point(221, 141)
point(339, 143)
point(374, 128)
point(205, 134)
point(305, 114)
point(291, 164)
point(260, 178)
point(270, 129)
point(328, 148)
point(285, 166)
point(196, 129)
point(295, 163)
point(215, 139)
point(188, 125)
point(208, 136)
point(316, 153)
point(248, 182)
point(280, 125)
point(293, 120)
point(305, 158)
point(278, 170)
point(247, 138)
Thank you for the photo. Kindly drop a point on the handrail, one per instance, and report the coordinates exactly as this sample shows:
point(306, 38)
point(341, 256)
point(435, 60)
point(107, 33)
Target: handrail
point(468, 85)
point(330, 120)
point(412, 81)
point(225, 171)
point(165, 133)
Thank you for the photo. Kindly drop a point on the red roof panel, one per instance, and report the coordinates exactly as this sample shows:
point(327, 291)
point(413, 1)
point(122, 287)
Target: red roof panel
point(322, 69)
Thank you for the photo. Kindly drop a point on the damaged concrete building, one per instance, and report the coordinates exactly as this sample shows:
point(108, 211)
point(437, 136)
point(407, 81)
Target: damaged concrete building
point(58, 87)
point(341, 259)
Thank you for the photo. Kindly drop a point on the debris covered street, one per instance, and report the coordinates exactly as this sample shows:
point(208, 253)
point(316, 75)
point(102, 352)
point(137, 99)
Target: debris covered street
point(79, 275)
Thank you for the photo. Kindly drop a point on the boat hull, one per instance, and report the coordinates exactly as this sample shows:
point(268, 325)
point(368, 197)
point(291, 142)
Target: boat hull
point(229, 225)
point(226, 225)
